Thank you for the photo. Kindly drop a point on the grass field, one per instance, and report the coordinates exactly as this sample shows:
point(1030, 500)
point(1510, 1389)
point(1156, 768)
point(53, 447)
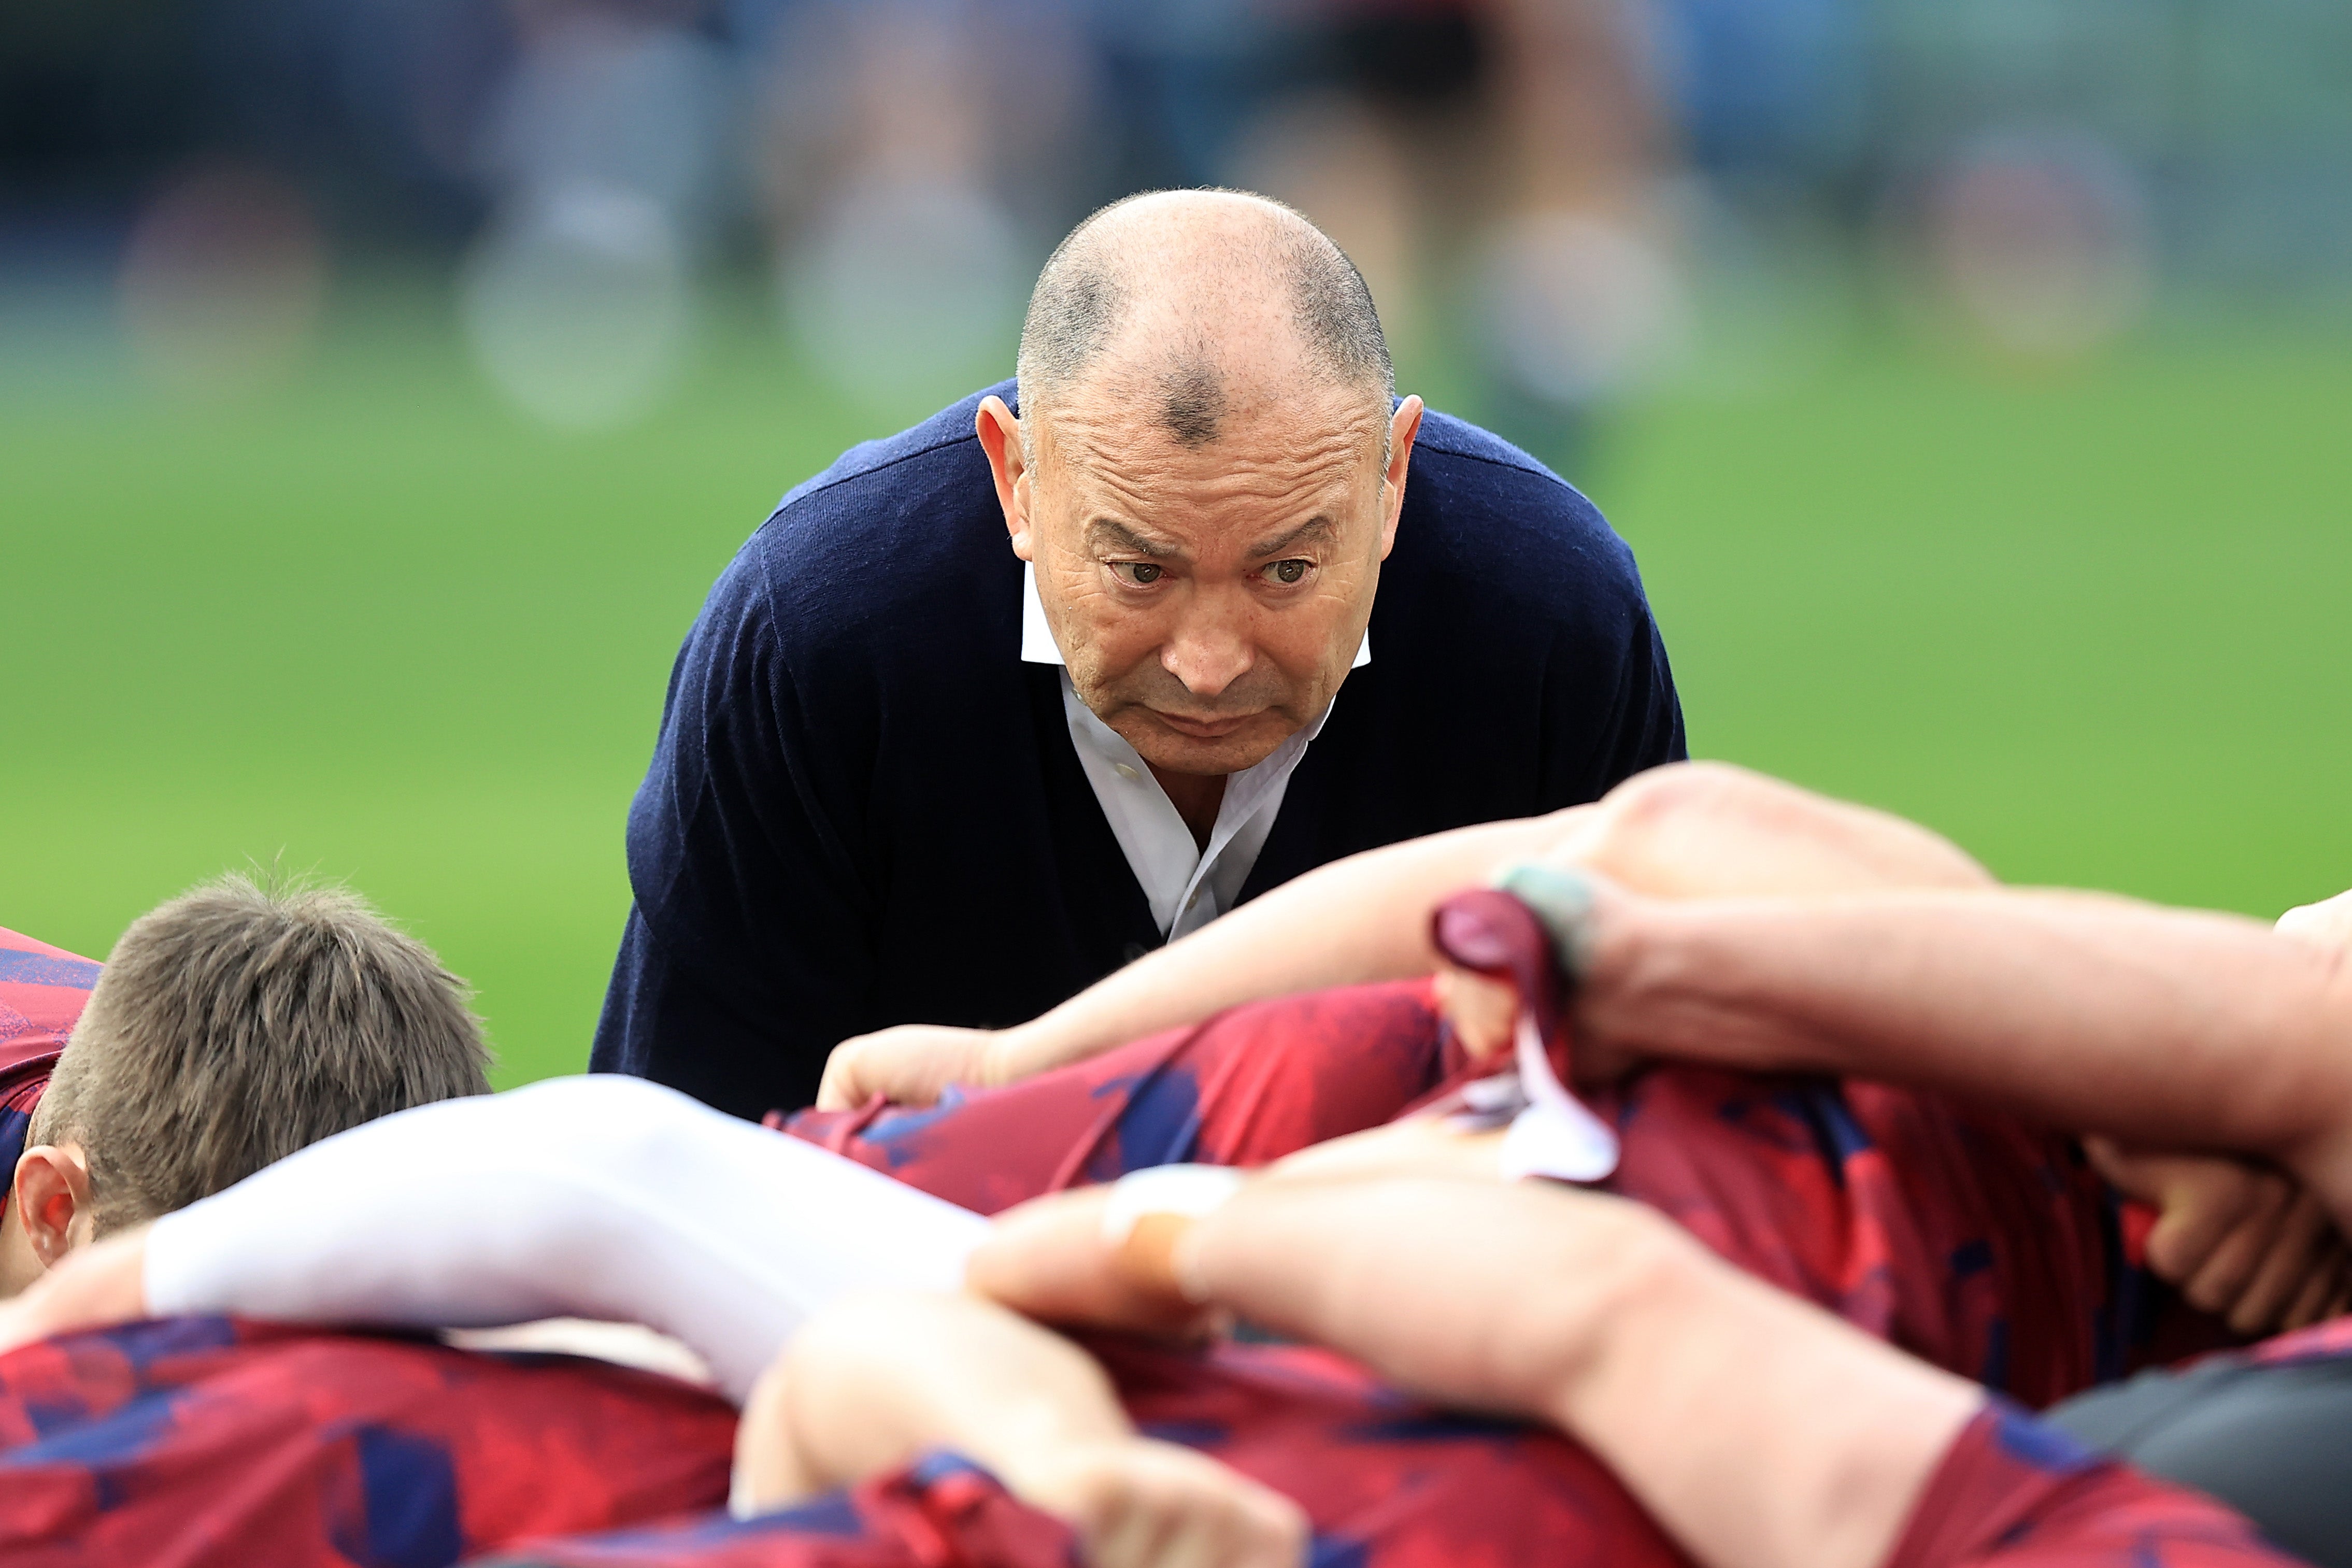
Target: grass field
point(2099, 627)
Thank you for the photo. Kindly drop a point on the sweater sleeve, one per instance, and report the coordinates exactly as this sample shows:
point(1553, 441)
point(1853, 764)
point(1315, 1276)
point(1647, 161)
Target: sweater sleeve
point(749, 950)
point(594, 1197)
point(1641, 726)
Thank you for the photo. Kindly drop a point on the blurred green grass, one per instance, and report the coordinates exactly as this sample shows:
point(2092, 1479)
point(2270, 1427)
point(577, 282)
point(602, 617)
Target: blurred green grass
point(2096, 627)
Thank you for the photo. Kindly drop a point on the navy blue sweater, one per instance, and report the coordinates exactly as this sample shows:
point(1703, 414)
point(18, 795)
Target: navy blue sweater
point(864, 809)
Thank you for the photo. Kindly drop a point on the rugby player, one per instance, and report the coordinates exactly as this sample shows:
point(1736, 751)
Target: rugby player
point(1753, 1431)
point(2236, 1238)
point(42, 991)
point(228, 1027)
point(897, 1143)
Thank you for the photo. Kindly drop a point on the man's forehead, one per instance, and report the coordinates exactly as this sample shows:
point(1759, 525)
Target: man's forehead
point(1161, 504)
point(1269, 445)
point(1139, 536)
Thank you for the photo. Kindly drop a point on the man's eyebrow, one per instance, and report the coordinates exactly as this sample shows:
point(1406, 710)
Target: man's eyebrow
point(1103, 531)
point(1320, 528)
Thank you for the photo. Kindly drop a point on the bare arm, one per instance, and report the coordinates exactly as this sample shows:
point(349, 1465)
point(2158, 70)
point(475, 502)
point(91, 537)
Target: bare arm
point(1703, 1390)
point(1690, 830)
point(1362, 919)
point(2169, 1027)
point(882, 1378)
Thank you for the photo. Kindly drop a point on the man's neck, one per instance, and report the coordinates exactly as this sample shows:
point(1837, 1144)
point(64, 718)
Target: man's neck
point(1196, 798)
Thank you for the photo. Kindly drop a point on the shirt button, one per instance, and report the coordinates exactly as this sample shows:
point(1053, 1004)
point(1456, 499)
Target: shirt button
point(1123, 771)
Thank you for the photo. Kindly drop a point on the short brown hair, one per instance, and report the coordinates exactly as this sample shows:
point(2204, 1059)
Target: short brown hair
point(240, 1022)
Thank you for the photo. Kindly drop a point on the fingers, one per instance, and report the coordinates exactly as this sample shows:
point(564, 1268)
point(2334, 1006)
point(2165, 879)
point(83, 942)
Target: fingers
point(2244, 1243)
point(2300, 1246)
point(1484, 1011)
point(2323, 1290)
point(838, 1089)
point(2325, 925)
point(2201, 1203)
point(769, 1472)
point(1146, 1504)
point(2215, 1284)
point(907, 1065)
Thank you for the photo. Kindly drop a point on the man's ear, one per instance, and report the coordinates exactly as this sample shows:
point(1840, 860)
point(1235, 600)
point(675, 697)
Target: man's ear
point(52, 1200)
point(1404, 425)
point(1000, 438)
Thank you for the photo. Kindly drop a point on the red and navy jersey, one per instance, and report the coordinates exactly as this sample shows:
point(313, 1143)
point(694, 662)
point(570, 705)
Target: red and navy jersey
point(206, 1444)
point(1980, 1244)
point(1970, 1239)
point(1391, 1483)
point(42, 992)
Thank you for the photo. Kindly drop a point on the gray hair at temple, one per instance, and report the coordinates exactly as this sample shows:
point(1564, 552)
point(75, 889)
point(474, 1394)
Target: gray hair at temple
point(1087, 287)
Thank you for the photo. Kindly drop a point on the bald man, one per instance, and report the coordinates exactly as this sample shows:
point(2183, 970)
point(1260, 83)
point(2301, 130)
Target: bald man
point(991, 707)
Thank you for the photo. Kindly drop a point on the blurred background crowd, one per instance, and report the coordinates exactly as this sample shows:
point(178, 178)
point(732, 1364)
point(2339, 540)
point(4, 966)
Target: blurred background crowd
point(1561, 189)
point(381, 382)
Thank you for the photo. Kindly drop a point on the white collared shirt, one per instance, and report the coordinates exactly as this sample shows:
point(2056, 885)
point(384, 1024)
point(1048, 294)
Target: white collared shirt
point(1186, 886)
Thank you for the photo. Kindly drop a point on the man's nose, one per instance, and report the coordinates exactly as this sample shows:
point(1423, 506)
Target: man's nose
point(1209, 651)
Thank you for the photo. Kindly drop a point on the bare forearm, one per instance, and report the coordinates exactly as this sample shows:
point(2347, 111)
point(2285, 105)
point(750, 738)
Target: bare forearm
point(885, 1378)
point(1693, 830)
point(890, 1376)
point(2168, 1027)
point(1703, 1390)
point(1360, 919)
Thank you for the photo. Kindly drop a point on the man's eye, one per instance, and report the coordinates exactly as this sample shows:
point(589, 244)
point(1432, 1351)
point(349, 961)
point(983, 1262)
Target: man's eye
point(1288, 572)
point(1138, 572)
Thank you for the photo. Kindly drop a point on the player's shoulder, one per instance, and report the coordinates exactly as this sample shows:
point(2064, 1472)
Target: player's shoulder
point(42, 991)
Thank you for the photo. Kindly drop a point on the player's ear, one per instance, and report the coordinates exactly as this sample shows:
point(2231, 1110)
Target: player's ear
point(52, 1199)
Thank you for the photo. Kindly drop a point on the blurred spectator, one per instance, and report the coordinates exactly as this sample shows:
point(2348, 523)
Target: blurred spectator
point(222, 282)
point(911, 155)
point(1537, 189)
point(604, 145)
point(1509, 154)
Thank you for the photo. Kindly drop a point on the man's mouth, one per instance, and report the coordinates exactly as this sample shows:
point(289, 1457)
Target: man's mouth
point(1203, 729)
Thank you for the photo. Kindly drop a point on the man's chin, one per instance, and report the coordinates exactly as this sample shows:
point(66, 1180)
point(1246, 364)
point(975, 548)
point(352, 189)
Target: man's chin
point(1174, 753)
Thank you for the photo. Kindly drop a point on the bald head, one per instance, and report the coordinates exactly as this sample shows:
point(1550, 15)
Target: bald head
point(1207, 473)
point(1170, 295)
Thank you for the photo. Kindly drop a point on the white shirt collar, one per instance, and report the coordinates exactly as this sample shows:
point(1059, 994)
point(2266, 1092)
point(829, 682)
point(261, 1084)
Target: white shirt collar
point(1186, 886)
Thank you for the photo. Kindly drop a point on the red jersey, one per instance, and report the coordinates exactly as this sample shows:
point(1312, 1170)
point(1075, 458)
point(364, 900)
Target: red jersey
point(1975, 1242)
point(42, 991)
point(212, 1444)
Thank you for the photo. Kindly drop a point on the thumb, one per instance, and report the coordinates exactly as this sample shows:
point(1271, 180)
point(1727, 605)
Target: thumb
point(841, 1087)
point(2129, 1172)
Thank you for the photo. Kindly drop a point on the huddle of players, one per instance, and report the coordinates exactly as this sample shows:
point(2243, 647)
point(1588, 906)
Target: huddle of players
point(229, 1028)
point(233, 1026)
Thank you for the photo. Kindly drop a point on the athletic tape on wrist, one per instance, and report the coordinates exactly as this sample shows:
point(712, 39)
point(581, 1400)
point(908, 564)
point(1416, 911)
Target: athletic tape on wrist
point(1186, 1192)
point(1561, 898)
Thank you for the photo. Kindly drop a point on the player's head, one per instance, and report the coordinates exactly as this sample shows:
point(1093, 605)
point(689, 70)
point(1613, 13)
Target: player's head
point(230, 1027)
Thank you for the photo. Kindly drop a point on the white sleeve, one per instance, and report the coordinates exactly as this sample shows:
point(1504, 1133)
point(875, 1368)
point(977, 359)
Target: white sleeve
point(603, 1197)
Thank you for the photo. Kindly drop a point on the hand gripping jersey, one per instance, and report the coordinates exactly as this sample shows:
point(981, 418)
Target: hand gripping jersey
point(42, 992)
point(1979, 1244)
point(1831, 1190)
